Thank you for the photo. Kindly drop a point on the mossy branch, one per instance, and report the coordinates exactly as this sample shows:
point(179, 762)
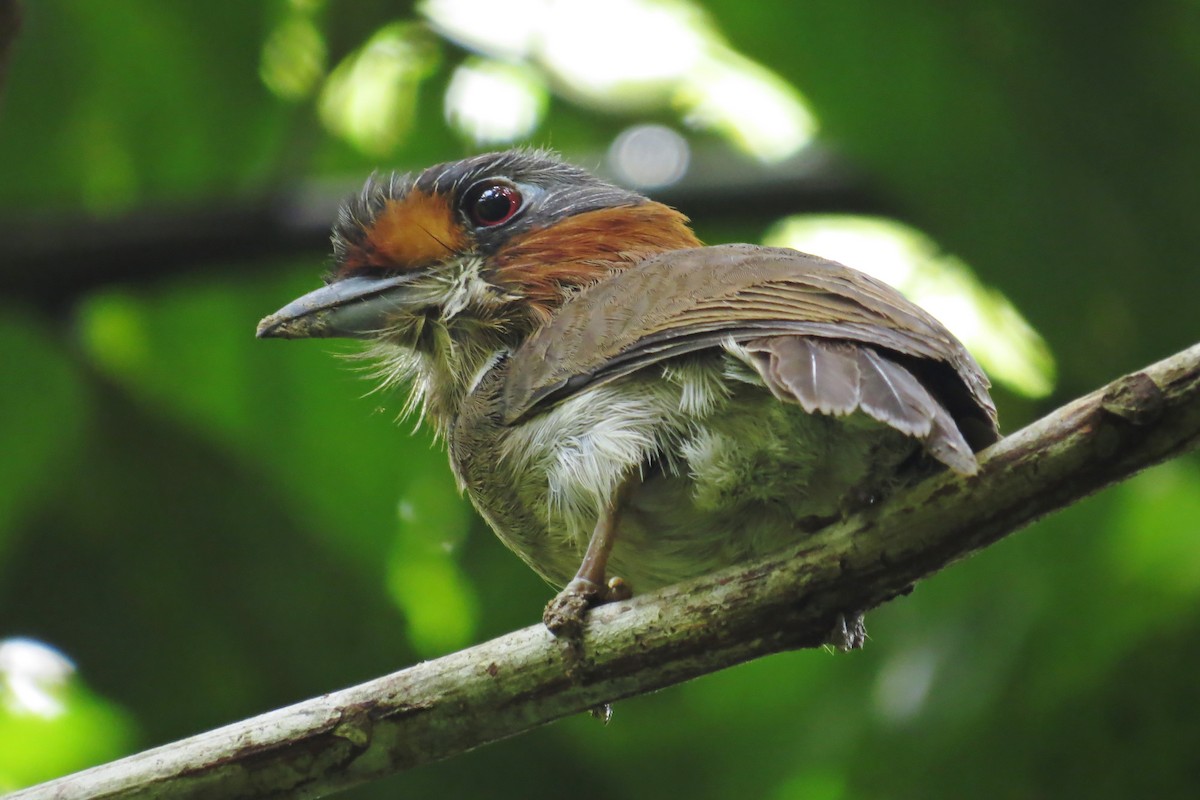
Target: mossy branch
point(517, 682)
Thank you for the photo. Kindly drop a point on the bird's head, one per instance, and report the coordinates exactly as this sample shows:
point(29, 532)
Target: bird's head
point(499, 239)
point(442, 269)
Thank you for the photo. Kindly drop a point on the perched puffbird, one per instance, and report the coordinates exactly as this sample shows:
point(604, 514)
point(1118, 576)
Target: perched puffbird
point(619, 399)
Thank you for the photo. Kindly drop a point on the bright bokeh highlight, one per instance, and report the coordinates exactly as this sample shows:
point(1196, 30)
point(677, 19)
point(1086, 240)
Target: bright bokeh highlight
point(1005, 345)
point(495, 102)
point(293, 57)
point(33, 678)
point(670, 57)
point(746, 103)
point(649, 156)
point(623, 54)
point(50, 724)
point(371, 97)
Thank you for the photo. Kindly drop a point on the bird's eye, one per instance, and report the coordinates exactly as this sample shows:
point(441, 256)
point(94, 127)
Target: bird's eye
point(492, 202)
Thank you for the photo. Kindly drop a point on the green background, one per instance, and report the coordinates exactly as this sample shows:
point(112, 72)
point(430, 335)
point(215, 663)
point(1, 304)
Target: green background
point(210, 526)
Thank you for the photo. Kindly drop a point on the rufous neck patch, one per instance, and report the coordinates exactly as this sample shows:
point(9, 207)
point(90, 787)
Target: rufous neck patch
point(582, 249)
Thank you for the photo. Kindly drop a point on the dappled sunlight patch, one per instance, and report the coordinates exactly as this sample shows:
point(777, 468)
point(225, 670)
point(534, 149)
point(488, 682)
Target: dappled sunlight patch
point(33, 678)
point(661, 42)
point(293, 57)
point(50, 723)
point(758, 111)
point(494, 102)
point(1004, 343)
point(672, 57)
point(114, 333)
point(423, 575)
point(370, 99)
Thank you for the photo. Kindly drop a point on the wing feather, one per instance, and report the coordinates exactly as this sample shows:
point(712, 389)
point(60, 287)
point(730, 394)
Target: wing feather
point(892, 395)
point(839, 378)
point(689, 300)
point(823, 377)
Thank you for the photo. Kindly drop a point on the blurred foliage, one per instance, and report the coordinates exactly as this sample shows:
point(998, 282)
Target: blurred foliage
point(50, 721)
point(208, 526)
point(1011, 352)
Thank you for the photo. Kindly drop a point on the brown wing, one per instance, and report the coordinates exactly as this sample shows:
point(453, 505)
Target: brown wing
point(696, 299)
point(837, 378)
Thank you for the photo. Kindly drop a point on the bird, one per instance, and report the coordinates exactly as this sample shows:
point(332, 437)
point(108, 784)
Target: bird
point(626, 407)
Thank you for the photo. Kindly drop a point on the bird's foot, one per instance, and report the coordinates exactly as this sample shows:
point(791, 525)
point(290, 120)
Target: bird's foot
point(564, 617)
point(564, 614)
point(848, 634)
point(602, 712)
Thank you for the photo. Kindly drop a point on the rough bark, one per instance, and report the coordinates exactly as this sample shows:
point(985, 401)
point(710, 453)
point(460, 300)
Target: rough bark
point(517, 682)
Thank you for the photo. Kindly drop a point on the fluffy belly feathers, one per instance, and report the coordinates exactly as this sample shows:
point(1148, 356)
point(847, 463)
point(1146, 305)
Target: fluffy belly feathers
point(725, 471)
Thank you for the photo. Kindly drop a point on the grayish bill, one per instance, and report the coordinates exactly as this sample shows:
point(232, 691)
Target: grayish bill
point(353, 308)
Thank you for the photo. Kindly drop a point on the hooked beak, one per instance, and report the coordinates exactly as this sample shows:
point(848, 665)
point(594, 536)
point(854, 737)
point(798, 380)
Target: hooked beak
point(354, 308)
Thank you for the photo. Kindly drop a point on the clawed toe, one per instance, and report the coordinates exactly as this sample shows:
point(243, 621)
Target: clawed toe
point(564, 614)
point(848, 634)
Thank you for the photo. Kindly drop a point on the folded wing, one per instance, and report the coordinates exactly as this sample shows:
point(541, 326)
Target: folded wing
point(825, 336)
point(839, 378)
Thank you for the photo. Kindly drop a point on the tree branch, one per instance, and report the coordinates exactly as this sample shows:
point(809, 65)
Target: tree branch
point(517, 682)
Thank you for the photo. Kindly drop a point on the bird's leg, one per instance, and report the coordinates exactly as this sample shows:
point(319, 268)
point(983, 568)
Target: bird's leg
point(564, 614)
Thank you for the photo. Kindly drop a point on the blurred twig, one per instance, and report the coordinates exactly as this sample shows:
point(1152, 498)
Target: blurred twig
point(440, 708)
point(52, 260)
point(10, 25)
